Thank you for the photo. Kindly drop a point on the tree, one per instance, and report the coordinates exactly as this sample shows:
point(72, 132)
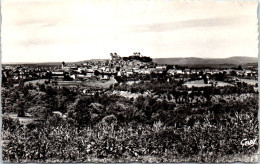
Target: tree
point(42, 87)
point(4, 79)
point(66, 76)
point(83, 72)
point(9, 123)
point(80, 112)
point(180, 83)
point(21, 111)
point(239, 67)
point(233, 73)
point(208, 93)
point(96, 73)
point(51, 91)
point(40, 112)
point(49, 76)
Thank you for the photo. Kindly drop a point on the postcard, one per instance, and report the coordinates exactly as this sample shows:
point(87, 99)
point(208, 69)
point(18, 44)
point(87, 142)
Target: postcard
point(129, 81)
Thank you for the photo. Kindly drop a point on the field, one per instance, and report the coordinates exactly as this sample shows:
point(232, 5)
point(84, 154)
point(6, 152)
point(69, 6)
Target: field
point(40, 81)
point(250, 81)
point(23, 120)
point(90, 83)
point(200, 83)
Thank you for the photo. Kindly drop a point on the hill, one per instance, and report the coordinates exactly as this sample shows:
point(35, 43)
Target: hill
point(206, 61)
point(231, 61)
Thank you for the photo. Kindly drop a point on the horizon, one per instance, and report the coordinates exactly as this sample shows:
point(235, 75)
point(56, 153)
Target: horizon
point(79, 29)
point(13, 63)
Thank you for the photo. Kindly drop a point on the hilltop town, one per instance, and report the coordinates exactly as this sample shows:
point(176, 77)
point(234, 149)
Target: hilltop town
point(133, 68)
point(129, 109)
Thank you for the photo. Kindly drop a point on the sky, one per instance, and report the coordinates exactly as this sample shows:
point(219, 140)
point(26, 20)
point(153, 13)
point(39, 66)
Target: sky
point(76, 30)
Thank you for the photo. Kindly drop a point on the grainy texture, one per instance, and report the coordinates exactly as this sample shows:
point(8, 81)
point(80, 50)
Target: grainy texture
point(180, 86)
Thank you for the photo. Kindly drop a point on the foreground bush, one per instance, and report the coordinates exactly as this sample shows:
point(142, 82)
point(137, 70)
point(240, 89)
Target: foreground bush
point(208, 139)
point(110, 128)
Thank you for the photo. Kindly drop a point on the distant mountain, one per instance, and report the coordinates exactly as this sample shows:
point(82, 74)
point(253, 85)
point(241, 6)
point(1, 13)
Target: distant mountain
point(92, 60)
point(236, 60)
point(53, 63)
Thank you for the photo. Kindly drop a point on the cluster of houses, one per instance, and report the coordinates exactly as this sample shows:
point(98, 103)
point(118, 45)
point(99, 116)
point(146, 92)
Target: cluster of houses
point(23, 72)
point(104, 70)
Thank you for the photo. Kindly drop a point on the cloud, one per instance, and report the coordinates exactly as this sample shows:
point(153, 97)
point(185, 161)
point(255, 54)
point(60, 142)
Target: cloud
point(57, 29)
point(35, 42)
point(178, 25)
point(38, 22)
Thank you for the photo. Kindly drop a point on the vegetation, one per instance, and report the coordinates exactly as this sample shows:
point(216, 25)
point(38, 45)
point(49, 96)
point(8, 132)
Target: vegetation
point(172, 123)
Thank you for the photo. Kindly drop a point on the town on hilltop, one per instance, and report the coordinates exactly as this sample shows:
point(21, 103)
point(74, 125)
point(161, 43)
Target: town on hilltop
point(133, 68)
point(129, 109)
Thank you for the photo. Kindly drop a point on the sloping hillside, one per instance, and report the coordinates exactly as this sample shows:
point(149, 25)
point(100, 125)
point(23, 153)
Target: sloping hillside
point(206, 61)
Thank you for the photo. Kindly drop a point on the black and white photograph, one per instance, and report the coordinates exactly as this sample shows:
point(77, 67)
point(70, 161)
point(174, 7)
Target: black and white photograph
point(129, 81)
